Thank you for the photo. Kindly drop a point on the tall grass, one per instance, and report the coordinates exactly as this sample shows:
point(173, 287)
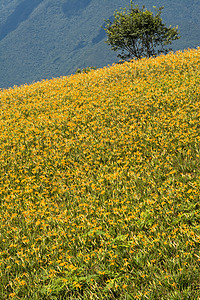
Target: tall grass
point(100, 183)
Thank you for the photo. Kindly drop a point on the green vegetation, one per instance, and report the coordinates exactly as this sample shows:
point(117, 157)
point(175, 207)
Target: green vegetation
point(100, 184)
point(138, 33)
point(85, 70)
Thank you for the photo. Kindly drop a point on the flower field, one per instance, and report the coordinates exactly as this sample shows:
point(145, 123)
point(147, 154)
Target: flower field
point(100, 183)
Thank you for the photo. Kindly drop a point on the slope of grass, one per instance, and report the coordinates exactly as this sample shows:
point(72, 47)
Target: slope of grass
point(100, 183)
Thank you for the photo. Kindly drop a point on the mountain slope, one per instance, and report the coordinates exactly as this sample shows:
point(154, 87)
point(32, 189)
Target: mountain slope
point(100, 183)
point(51, 38)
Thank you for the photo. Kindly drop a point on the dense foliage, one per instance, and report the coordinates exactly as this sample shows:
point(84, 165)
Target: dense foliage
point(100, 183)
point(138, 33)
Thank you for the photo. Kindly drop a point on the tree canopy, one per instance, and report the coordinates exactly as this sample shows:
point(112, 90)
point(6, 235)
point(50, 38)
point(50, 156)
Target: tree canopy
point(139, 33)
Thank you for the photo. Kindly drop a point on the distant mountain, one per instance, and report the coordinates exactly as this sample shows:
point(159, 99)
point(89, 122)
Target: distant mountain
point(42, 39)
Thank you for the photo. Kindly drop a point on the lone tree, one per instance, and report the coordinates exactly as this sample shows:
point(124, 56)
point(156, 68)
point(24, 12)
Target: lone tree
point(138, 33)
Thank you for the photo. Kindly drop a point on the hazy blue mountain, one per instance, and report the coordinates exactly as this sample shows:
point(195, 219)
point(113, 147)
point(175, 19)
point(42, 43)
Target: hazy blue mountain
point(42, 39)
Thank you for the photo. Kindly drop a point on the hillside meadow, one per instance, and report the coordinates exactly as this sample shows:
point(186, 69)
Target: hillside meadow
point(100, 183)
